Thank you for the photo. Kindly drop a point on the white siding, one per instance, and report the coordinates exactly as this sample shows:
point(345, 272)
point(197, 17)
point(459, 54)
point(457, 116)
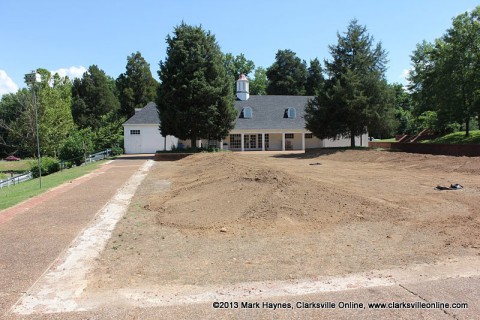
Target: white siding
point(345, 142)
point(148, 141)
point(275, 141)
point(312, 143)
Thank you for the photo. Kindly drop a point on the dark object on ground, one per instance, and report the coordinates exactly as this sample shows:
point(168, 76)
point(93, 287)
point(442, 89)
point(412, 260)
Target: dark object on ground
point(455, 186)
point(12, 158)
point(315, 164)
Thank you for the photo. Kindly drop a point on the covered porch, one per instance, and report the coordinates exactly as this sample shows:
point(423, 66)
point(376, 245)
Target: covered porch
point(265, 141)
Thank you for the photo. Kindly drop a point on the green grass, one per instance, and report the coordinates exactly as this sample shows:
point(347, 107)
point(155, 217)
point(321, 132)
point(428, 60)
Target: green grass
point(10, 196)
point(3, 176)
point(22, 165)
point(386, 140)
point(457, 138)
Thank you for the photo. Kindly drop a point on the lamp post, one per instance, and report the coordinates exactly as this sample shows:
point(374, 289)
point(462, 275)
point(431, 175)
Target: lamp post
point(31, 79)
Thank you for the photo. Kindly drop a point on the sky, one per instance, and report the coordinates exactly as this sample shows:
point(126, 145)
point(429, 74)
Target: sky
point(69, 36)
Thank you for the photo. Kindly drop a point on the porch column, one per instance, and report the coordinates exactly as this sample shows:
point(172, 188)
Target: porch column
point(283, 141)
point(303, 141)
point(263, 141)
point(242, 143)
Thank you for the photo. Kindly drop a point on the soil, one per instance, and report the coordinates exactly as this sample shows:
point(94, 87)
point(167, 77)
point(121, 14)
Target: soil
point(227, 218)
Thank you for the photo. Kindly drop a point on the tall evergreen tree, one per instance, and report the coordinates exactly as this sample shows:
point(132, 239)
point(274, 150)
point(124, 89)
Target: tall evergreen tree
point(93, 96)
point(356, 93)
point(287, 75)
point(194, 98)
point(315, 80)
point(136, 87)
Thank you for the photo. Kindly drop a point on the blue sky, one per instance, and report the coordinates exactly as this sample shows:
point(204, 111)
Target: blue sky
point(69, 36)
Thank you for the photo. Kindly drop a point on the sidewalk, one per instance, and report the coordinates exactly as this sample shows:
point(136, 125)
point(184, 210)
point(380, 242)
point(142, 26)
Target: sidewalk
point(34, 233)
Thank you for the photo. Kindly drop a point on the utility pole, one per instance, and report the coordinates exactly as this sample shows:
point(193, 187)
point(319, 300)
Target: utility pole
point(31, 79)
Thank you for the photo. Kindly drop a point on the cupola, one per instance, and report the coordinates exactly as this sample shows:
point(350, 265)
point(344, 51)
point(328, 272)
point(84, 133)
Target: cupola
point(242, 88)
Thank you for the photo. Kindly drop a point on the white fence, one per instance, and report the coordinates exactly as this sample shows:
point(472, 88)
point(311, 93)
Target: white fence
point(16, 180)
point(28, 175)
point(99, 156)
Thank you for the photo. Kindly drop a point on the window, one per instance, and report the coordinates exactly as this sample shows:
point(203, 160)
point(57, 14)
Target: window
point(134, 131)
point(247, 113)
point(308, 135)
point(253, 141)
point(289, 136)
point(290, 113)
point(212, 143)
point(235, 141)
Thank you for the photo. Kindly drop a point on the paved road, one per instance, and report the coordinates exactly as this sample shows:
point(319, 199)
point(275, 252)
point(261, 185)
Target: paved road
point(36, 232)
point(33, 235)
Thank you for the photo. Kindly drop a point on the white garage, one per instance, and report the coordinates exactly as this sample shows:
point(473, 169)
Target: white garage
point(142, 134)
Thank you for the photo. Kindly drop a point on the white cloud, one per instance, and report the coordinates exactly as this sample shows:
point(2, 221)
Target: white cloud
point(71, 72)
point(405, 74)
point(6, 84)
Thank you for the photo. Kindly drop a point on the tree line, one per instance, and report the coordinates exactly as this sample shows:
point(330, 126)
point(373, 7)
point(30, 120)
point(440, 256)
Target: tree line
point(195, 95)
point(75, 117)
point(350, 94)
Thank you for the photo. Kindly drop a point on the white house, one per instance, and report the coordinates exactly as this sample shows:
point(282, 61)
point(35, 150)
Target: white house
point(141, 132)
point(269, 122)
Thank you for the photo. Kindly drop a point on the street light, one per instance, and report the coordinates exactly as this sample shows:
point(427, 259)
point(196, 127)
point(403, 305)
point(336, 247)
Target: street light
point(31, 79)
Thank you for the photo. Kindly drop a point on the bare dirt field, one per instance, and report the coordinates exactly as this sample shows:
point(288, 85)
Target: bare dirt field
point(227, 218)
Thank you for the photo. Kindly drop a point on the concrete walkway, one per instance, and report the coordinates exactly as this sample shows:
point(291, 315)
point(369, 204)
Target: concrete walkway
point(35, 233)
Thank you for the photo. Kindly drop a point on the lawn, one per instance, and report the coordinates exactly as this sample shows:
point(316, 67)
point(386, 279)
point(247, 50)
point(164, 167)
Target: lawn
point(385, 140)
point(22, 165)
point(457, 138)
point(10, 196)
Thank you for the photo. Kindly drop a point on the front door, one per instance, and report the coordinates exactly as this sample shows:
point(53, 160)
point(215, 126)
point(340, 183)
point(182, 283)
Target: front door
point(250, 141)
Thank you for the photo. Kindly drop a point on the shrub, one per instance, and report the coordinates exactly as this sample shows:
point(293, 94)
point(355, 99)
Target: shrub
point(48, 165)
point(116, 151)
point(75, 147)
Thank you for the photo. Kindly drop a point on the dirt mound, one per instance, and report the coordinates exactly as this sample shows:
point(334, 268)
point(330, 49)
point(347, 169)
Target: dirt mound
point(228, 191)
point(401, 159)
point(236, 217)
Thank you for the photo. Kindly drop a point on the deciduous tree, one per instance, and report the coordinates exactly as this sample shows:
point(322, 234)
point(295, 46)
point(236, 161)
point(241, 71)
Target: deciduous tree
point(54, 116)
point(237, 65)
point(444, 79)
point(259, 83)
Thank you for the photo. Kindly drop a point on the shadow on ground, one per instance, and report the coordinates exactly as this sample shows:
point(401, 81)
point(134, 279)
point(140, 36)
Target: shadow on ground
point(136, 157)
point(315, 153)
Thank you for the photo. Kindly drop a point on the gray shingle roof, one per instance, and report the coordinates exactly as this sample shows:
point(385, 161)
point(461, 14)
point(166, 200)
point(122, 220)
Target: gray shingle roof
point(268, 113)
point(147, 115)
